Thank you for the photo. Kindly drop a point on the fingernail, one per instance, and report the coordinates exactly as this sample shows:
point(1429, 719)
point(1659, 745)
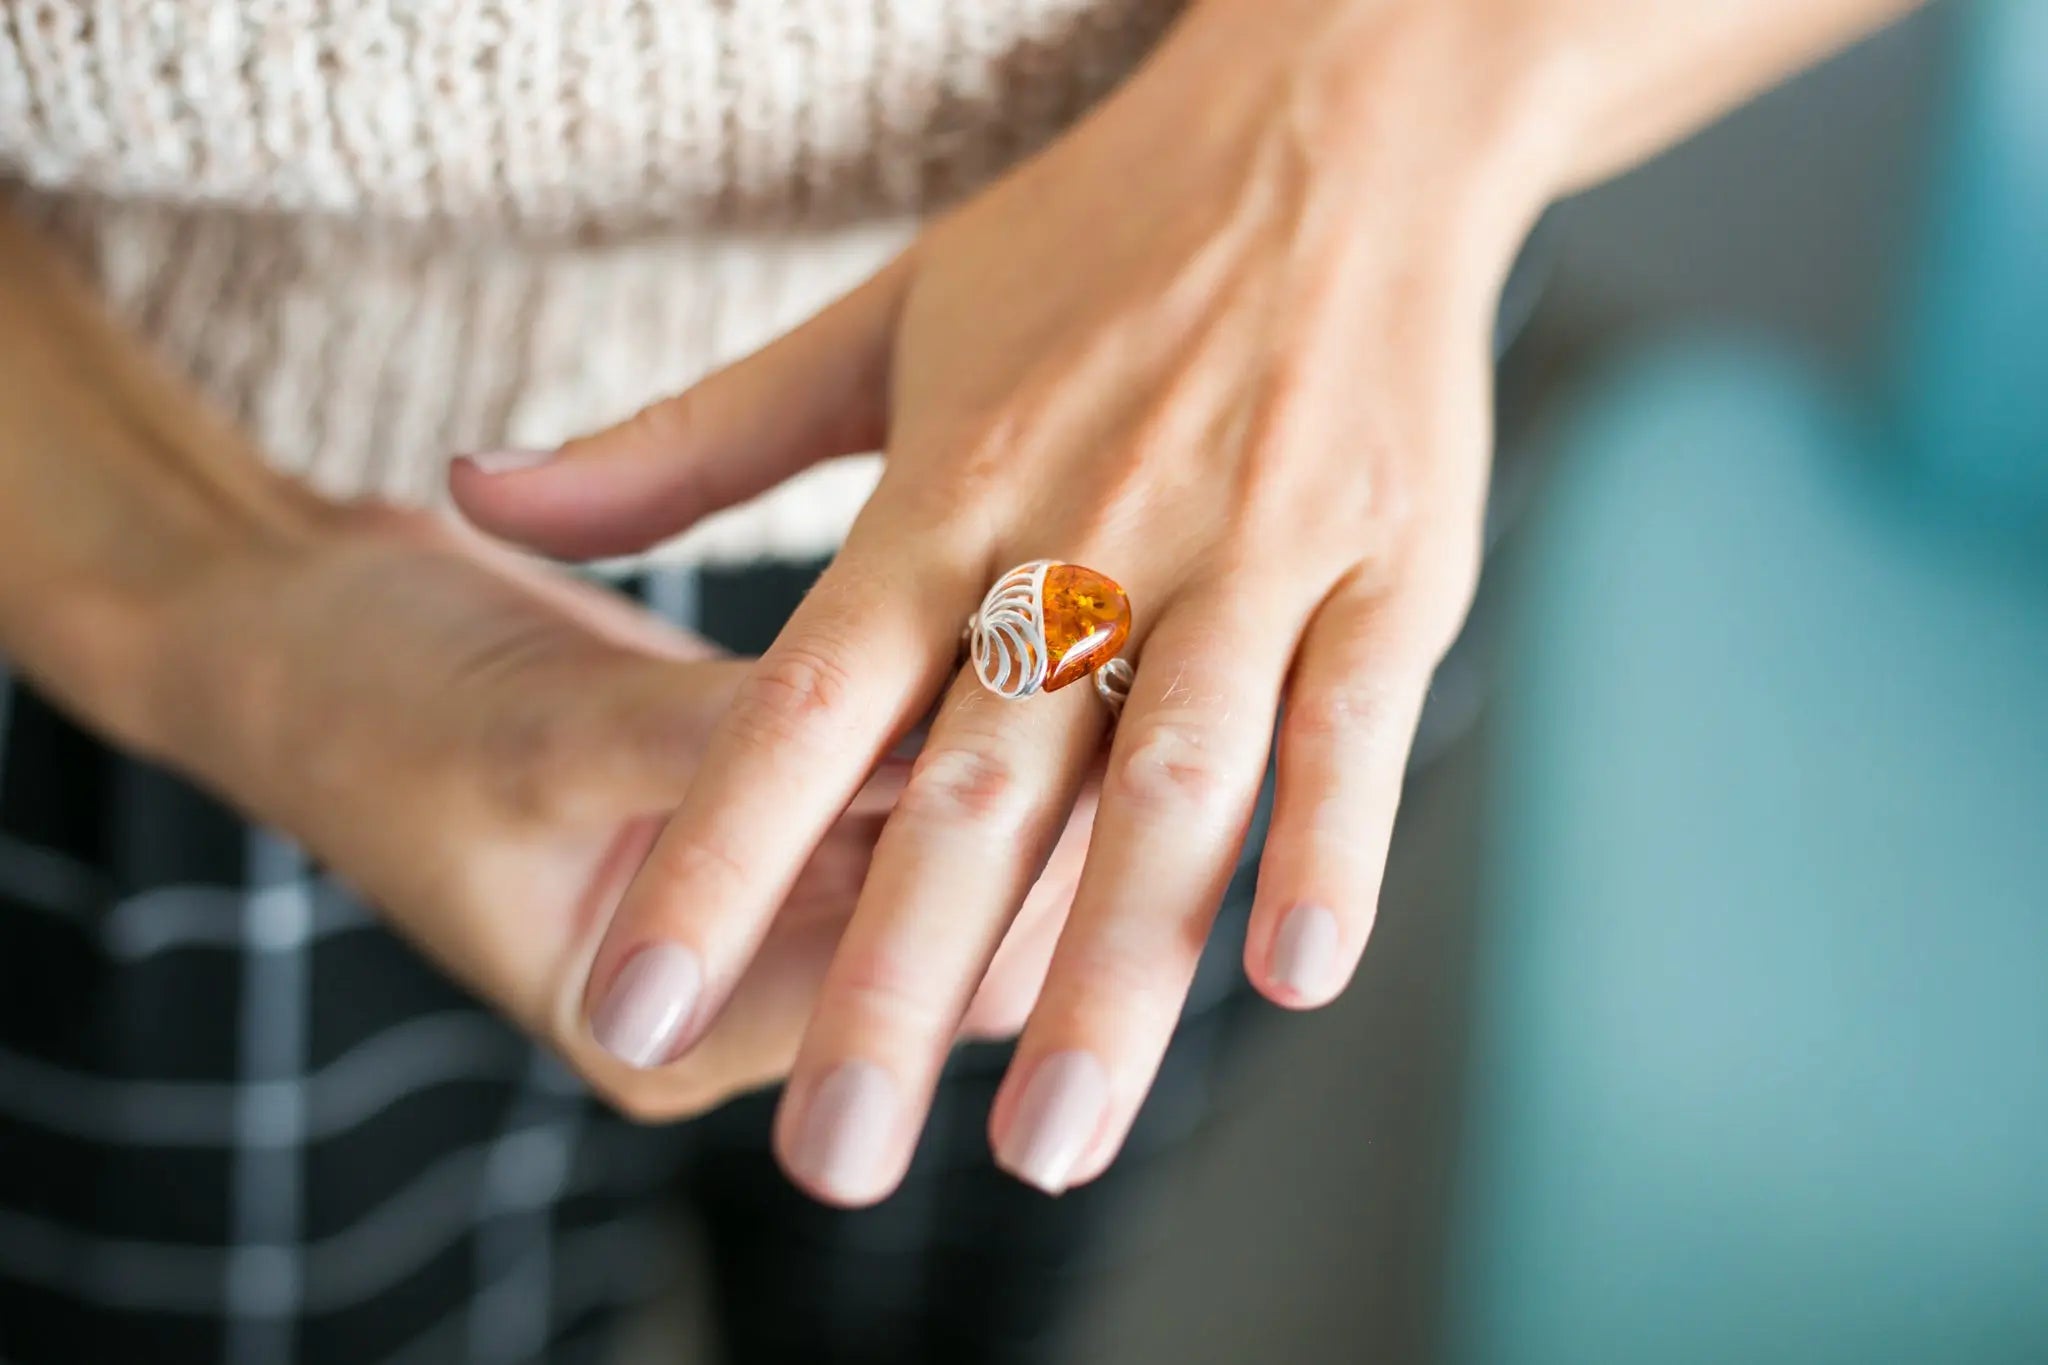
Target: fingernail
point(508, 461)
point(1304, 961)
point(650, 1000)
point(1056, 1120)
point(842, 1146)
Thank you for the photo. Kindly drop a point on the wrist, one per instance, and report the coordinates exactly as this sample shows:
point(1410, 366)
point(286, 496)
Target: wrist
point(117, 623)
point(122, 495)
point(1452, 119)
point(118, 538)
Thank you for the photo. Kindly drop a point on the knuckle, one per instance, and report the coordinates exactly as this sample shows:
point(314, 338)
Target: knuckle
point(1343, 712)
point(1138, 975)
point(793, 694)
point(877, 987)
point(711, 873)
point(963, 786)
point(1172, 768)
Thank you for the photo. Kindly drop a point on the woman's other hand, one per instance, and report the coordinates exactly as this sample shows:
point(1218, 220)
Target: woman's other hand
point(484, 749)
point(480, 745)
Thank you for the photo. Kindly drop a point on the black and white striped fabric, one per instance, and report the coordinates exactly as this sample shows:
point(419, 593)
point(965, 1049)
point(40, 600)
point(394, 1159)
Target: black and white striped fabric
point(240, 1122)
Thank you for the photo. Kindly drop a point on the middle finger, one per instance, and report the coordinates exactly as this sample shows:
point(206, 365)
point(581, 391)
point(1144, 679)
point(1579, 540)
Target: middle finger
point(984, 805)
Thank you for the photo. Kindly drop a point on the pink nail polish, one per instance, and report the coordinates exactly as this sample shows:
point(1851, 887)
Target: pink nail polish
point(508, 461)
point(1056, 1121)
point(846, 1132)
point(650, 1000)
point(1304, 960)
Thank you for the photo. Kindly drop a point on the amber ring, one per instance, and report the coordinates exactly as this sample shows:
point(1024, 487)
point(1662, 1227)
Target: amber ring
point(1046, 624)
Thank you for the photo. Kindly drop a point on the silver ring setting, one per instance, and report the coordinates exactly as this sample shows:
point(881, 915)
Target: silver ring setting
point(1046, 624)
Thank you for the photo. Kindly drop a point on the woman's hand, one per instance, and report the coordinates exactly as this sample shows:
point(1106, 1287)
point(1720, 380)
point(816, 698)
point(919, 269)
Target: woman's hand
point(478, 744)
point(1228, 342)
point(1234, 355)
point(483, 749)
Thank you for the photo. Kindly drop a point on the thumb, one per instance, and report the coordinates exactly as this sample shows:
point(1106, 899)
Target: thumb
point(818, 392)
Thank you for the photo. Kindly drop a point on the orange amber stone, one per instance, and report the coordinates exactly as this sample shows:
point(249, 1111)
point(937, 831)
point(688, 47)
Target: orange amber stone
point(1087, 617)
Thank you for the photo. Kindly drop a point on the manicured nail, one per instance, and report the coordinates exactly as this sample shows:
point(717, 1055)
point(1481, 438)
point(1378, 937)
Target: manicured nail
point(508, 461)
point(650, 1000)
point(1056, 1120)
point(843, 1143)
point(1304, 961)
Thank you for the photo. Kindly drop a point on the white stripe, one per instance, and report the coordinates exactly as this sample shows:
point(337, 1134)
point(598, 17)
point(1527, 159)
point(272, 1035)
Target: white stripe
point(509, 1320)
point(159, 920)
point(395, 1238)
point(266, 1180)
point(39, 878)
point(430, 1049)
point(170, 917)
point(675, 594)
point(112, 1274)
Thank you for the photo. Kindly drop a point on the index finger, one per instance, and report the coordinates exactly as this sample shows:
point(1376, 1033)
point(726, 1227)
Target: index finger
point(856, 666)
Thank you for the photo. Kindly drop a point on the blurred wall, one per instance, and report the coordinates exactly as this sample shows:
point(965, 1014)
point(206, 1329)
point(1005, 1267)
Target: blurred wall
point(1788, 214)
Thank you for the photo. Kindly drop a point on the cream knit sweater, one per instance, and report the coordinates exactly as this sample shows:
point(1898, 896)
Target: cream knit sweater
point(379, 231)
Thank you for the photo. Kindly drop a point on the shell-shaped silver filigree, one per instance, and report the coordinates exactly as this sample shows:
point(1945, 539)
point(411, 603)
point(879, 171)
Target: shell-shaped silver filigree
point(1006, 638)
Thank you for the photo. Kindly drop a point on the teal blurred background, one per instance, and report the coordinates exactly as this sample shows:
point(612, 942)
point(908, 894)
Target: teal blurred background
point(1759, 1058)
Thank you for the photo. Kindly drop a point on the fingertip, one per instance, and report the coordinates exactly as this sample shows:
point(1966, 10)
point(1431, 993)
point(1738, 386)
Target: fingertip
point(643, 1015)
point(839, 1142)
point(1055, 1122)
point(1304, 965)
point(570, 505)
point(490, 487)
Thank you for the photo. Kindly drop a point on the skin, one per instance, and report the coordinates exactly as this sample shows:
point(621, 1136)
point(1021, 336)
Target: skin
point(481, 746)
point(1227, 341)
